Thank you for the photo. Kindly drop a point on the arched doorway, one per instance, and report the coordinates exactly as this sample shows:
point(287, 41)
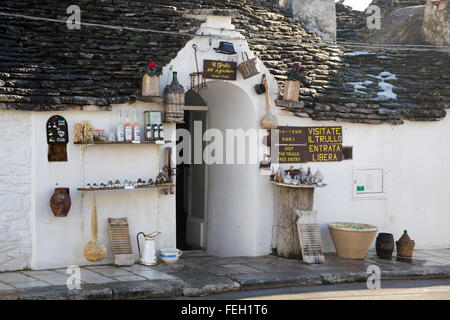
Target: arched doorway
point(231, 205)
point(216, 202)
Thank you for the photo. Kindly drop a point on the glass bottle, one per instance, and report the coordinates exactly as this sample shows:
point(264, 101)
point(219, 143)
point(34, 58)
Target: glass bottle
point(161, 132)
point(112, 136)
point(155, 132)
point(136, 128)
point(128, 130)
point(119, 127)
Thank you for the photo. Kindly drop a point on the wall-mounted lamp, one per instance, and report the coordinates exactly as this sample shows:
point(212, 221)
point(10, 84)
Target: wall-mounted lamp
point(225, 48)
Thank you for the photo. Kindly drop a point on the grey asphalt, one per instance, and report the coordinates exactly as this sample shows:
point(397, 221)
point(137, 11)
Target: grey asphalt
point(430, 288)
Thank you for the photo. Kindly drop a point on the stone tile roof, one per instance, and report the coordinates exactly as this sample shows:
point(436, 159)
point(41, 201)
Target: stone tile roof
point(44, 66)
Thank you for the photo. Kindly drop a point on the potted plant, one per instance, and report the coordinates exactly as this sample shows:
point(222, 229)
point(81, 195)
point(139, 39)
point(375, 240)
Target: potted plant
point(295, 77)
point(150, 79)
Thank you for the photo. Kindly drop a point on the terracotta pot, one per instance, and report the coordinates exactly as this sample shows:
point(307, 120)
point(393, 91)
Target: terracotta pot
point(60, 202)
point(385, 245)
point(150, 86)
point(291, 90)
point(350, 242)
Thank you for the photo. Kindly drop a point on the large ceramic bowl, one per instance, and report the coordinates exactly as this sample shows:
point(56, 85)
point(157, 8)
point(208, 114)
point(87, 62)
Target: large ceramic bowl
point(170, 255)
point(352, 240)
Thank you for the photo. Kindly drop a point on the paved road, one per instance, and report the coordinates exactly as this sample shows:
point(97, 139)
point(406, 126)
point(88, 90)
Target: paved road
point(432, 289)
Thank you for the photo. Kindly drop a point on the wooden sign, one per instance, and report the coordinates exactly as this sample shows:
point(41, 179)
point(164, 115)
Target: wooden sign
point(57, 138)
point(57, 131)
point(219, 70)
point(307, 144)
point(290, 154)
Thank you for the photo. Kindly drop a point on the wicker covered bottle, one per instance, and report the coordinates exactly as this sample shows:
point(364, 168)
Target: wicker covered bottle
point(174, 101)
point(405, 245)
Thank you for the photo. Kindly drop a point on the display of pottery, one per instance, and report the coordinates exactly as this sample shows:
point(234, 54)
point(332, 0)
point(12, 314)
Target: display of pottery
point(94, 251)
point(352, 240)
point(298, 176)
point(60, 202)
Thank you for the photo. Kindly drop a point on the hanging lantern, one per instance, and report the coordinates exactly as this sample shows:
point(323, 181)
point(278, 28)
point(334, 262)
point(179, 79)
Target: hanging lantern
point(198, 82)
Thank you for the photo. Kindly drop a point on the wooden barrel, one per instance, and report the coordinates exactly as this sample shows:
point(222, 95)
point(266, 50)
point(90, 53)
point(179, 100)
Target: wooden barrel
point(385, 245)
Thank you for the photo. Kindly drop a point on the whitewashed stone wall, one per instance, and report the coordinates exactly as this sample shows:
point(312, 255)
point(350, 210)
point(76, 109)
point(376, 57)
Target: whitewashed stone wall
point(15, 190)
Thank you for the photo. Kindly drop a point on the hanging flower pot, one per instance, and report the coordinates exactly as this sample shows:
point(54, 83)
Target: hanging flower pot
point(293, 82)
point(150, 86)
point(60, 202)
point(150, 79)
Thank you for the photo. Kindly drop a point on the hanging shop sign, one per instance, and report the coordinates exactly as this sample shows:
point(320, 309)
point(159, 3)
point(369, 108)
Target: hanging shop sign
point(219, 70)
point(307, 144)
point(57, 138)
point(57, 131)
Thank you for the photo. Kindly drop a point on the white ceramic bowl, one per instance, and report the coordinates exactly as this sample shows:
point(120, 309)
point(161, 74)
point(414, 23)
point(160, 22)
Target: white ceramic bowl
point(170, 255)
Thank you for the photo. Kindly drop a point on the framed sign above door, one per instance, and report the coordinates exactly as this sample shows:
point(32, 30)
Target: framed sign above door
point(219, 70)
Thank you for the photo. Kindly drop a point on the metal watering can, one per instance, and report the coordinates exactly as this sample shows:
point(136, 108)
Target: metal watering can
point(148, 256)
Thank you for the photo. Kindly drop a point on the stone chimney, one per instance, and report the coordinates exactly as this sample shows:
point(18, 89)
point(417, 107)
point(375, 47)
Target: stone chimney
point(317, 15)
point(436, 22)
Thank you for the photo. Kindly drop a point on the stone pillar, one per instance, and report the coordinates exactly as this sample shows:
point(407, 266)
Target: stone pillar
point(317, 15)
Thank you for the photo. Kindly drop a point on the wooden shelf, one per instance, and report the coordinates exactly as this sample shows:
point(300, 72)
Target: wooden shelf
point(304, 186)
point(155, 99)
point(120, 142)
point(153, 186)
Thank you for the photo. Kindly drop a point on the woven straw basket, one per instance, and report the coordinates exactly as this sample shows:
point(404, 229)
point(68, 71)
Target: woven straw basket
point(248, 67)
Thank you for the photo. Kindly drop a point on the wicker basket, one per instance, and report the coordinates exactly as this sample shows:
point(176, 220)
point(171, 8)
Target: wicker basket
point(248, 67)
point(174, 101)
point(405, 250)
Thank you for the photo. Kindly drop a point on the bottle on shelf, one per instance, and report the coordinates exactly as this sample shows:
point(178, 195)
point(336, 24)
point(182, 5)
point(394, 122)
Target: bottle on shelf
point(128, 130)
point(119, 128)
point(148, 132)
point(161, 132)
point(112, 136)
point(136, 128)
point(155, 132)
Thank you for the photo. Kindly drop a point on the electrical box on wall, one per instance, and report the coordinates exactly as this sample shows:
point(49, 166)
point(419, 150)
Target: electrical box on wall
point(369, 182)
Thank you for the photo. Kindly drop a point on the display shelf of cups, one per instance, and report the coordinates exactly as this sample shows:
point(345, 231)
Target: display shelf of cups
point(161, 182)
point(152, 186)
point(122, 142)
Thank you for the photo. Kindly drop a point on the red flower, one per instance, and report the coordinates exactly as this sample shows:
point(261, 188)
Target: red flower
point(151, 65)
point(297, 68)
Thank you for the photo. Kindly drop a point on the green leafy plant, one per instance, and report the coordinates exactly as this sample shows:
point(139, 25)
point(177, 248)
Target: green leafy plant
point(296, 73)
point(152, 69)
